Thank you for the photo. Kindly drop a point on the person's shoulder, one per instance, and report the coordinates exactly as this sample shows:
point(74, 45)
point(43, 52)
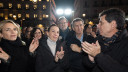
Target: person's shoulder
point(70, 33)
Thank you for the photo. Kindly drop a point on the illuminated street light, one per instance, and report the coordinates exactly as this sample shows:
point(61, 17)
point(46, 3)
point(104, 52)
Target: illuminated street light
point(84, 15)
point(59, 11)
point(67, 11)
point(64, 11)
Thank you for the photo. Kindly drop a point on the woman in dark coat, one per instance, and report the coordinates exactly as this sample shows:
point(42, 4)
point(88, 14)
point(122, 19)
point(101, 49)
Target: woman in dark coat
point(35, 33)
point(51, 56)
point(14, 55)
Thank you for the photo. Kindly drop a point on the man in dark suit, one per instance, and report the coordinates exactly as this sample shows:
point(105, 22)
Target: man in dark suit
point(74, 45)
point(110, 52)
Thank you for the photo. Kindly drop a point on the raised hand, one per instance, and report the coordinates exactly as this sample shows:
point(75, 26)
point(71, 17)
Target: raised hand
point(56, 58)
point(34, 44)
point(93, 34)
point(3, 55)
point(59, 54)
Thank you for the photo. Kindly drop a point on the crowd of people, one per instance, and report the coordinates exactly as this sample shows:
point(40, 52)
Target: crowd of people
point(64, 49)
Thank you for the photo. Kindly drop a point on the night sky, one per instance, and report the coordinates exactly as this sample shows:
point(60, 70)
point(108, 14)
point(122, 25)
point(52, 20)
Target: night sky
point(64, 3)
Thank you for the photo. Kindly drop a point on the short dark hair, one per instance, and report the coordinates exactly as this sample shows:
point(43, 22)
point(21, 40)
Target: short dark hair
point(114, 14)
point(52, 26)
point(76, 20)
point(34, 30)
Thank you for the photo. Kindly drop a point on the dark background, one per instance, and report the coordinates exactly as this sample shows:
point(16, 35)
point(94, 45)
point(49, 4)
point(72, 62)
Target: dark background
point(64, 3)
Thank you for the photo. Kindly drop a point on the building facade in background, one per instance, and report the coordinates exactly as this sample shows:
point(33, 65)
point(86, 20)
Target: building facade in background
point(90, 9)
point(28, 12)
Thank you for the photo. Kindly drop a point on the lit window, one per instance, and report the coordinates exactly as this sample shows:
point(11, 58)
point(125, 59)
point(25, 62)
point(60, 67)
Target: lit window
point(44, 6)
point(19, 6)
point(39, 0)
point(1, 14)
point(19, 15)
point(35, 15)
point(27, 15)
point(1, 5)
point(6, 17)
point(35, 6)
point(10, 15)
point(22, 0)
point(10, 5)
point(44, 15)
point(47, 16)
point(40, 18)
point(30, 0)
point(27, 6)
point(14, 17)
point(47, 0)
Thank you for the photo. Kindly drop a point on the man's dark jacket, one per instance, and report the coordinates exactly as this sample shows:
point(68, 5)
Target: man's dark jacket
point(114, 58)
point(75, 57)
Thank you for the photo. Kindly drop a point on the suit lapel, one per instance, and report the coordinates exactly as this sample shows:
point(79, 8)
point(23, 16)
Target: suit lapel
point(57, 47)
point(47, 48)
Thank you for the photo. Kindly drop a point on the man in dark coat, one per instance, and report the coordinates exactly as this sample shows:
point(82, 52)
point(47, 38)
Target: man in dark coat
point(74, 40)
point(63, 26)
point(110, 52)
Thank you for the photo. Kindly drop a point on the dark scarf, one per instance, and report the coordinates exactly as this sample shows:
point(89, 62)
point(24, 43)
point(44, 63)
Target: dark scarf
point(64, 33)
point(17, 42)
point(108, 41)
point(18, 53)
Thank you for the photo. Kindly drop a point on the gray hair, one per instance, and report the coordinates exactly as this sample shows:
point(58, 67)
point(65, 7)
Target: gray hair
point(76, 20)
point(61, 18)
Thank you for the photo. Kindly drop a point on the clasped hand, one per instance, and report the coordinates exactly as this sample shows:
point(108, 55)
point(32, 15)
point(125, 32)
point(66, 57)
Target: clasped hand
point(91, 49)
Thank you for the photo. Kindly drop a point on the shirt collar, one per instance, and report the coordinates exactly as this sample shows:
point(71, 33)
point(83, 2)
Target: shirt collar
point(81, 39)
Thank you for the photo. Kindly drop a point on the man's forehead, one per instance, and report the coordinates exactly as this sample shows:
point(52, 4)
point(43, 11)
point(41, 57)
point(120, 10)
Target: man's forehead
point(78, 22)
point(62, 20)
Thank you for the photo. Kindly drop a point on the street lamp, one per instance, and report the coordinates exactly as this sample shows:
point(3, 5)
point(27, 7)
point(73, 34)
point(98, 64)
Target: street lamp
point(83, 15)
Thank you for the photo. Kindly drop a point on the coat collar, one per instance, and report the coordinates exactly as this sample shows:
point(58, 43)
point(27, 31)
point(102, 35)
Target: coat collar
point(48, 49)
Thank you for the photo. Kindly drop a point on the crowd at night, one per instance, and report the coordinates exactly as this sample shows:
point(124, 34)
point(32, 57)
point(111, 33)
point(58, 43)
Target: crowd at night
point(63, 36)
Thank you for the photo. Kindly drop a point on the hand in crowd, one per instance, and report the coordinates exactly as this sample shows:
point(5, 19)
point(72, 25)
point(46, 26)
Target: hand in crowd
point(75, 48)
point(59, 54)
point(34, 44)
point(93, 34)
point(3, 55)
point(91, 49)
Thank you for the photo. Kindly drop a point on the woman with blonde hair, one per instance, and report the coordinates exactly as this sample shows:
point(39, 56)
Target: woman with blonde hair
point(14, 55)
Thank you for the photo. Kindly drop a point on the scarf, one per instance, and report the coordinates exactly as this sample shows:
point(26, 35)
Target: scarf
point(108, 41)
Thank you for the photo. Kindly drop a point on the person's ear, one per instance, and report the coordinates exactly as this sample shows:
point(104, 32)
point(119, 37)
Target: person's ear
point(1, 35)
point(114, 25)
